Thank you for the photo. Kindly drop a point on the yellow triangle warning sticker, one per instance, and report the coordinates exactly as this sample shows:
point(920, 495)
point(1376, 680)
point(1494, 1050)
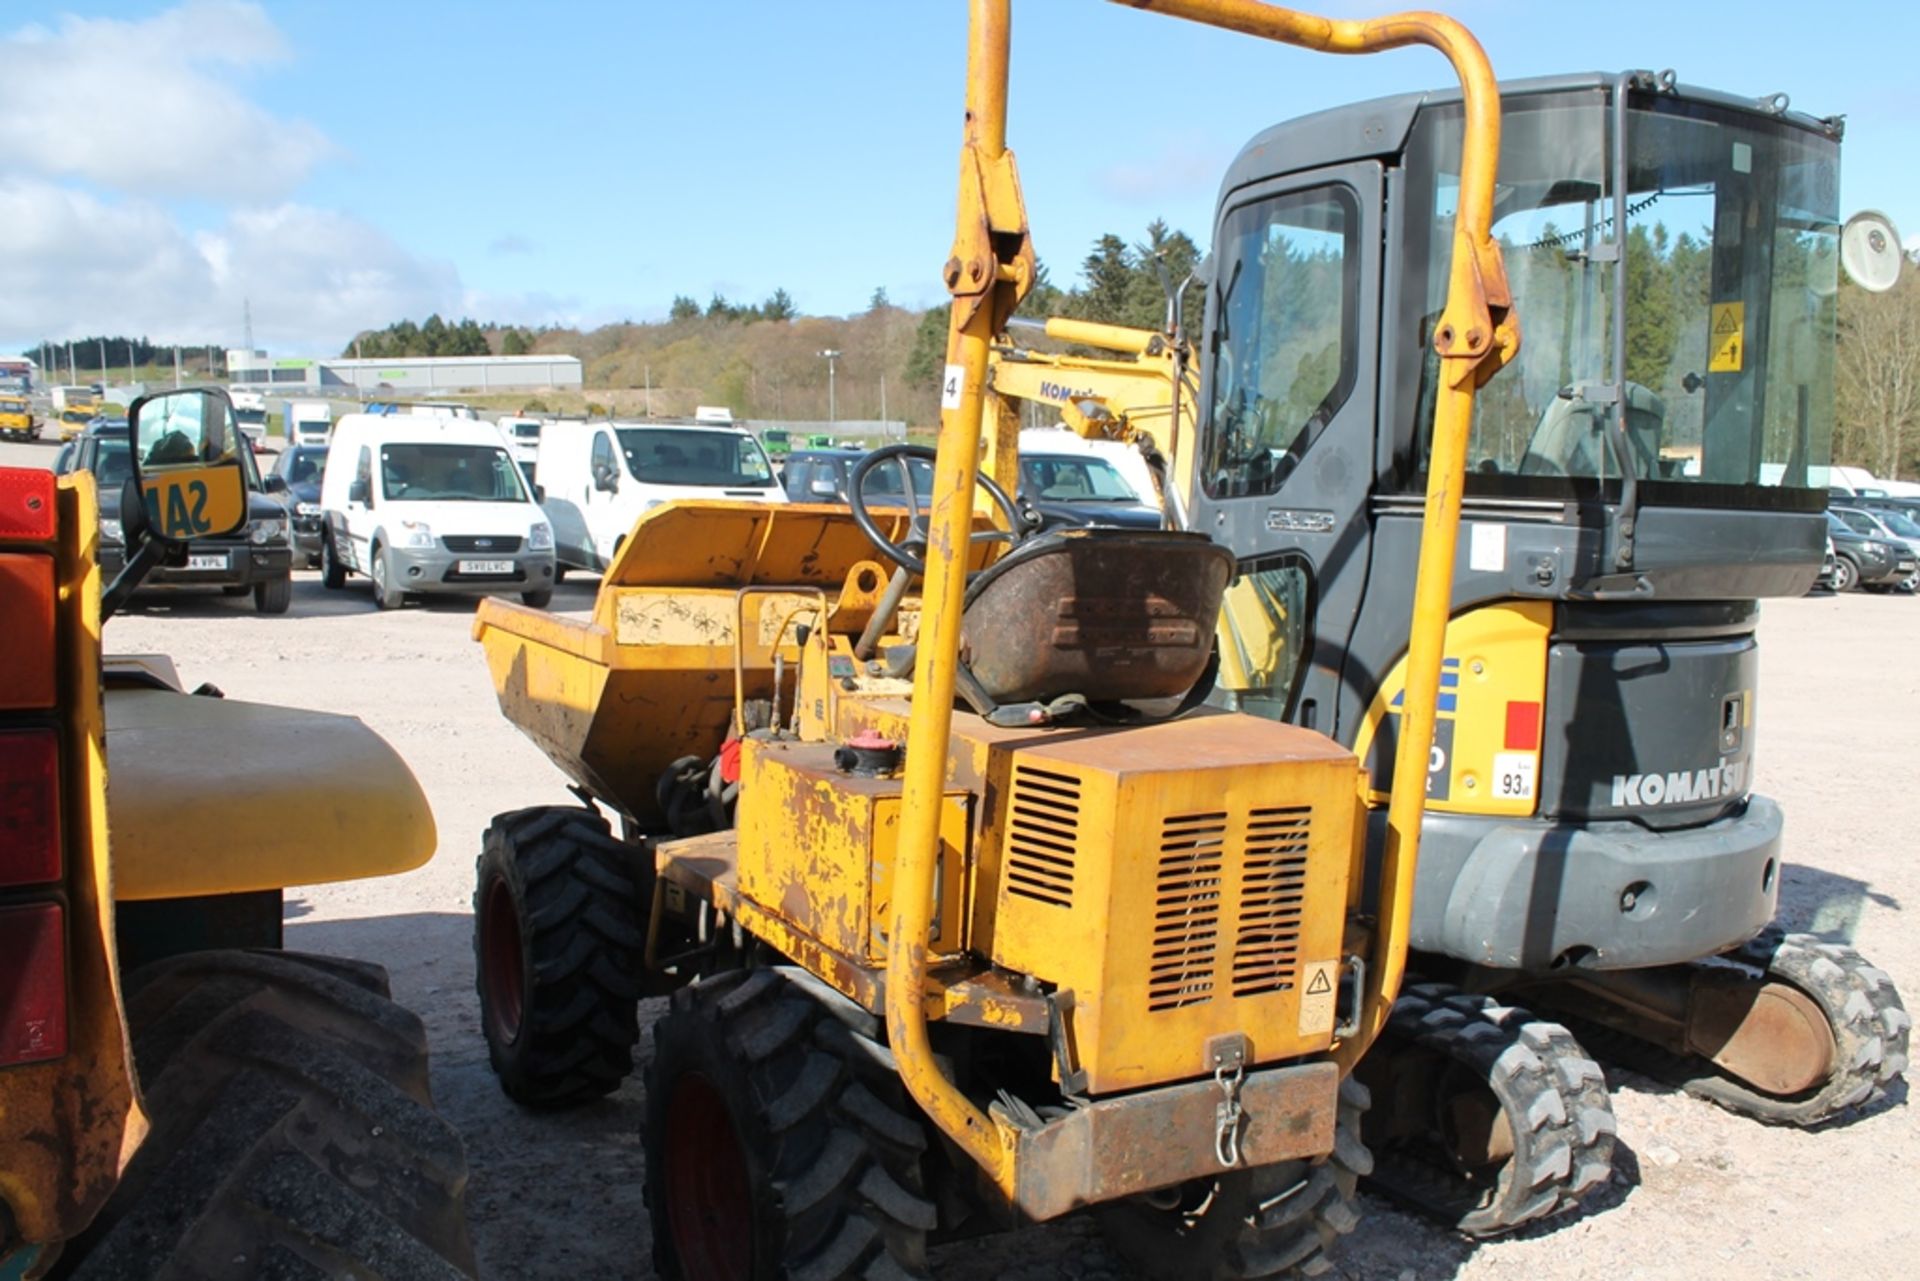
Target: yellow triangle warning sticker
point(1317, 999)
point(1728, 339)
point(1319, 983)
point(1728, 322)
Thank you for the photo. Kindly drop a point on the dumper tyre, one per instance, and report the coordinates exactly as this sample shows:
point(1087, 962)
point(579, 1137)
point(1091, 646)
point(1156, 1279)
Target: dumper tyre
point(293, 1132)
point(1279, 1221)
point(559, 939)
point(779, 1142)
point(333, 575)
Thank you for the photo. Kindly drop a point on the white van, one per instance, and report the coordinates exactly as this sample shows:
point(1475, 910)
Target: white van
point(423, 504)
point(598, 478)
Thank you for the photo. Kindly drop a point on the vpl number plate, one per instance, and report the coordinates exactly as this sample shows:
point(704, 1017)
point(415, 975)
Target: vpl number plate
point(208, 560)
point(486, 567)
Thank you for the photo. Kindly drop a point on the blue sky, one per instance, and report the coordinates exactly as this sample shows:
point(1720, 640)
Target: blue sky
point(339, 163)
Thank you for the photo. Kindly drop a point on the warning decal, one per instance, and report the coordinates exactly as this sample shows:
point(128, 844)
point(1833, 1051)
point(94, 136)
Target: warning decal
point(1317, 994)
point(1727, 346)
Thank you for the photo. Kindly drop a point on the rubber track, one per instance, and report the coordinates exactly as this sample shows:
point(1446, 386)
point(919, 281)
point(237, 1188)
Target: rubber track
point(293, 1132)
point(1870, 1024)
point(1551, 1092)
point(1278, 1222)
point(580, 910)
point(827, 1120)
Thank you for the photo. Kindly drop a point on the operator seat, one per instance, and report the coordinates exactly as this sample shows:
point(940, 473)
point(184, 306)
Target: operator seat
point(1090, 618)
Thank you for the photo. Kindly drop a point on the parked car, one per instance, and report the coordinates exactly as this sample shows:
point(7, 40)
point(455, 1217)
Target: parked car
point(255, 560)
point(430, 504)
point(820, 476)
point(1863, 561)
point(1888, 525)
point(295, 479)
point(598, 478)
point(1080, 489)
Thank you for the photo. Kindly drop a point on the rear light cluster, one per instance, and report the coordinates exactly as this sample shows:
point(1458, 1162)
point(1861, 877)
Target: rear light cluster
point(33, 936)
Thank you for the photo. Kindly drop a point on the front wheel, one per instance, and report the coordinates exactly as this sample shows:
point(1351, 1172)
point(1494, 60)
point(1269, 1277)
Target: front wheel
point(1845, 576)
point(1279, 1221)
point(333, 575)
point(385, 594)
point(275, 596)
point(537, 599)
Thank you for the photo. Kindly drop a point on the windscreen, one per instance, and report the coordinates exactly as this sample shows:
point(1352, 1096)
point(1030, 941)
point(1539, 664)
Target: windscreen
point(449, 473)
point(1067, 479)
point(112, 465)
point(1729, 262)
point(687, 456)
point(305, 465)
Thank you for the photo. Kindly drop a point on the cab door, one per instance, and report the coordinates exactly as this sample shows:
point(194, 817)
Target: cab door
point(1285, 459)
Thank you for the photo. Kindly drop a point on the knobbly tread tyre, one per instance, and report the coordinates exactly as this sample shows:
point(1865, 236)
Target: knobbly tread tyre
point(1870, 1027)
point(820, 1117)
point(1552, 1093)
point(581, 904)
point(293, 1132)
point(1280, 1221)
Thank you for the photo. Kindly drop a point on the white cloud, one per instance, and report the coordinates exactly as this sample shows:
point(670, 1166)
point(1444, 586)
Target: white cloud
point(513, 243)
point(313, 277)
point(148, 106)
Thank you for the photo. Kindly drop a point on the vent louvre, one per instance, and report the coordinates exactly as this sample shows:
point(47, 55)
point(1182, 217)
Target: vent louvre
point(1273, 886)
point(1186, 915)
point(1043, 832)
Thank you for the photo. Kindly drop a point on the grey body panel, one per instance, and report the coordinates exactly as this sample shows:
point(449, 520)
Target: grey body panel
point(1531, 895)
point(532, 571)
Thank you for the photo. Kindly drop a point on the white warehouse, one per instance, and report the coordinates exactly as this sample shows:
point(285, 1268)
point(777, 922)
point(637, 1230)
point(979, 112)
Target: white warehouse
point(417, 374)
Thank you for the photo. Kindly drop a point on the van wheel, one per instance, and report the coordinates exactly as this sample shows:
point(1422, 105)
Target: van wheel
point(274, 596)
point(559, 571)
point(333, 575)
point(385, 594)
point(537, 600)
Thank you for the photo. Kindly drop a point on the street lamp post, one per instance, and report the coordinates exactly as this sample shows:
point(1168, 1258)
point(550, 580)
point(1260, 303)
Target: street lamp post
point(833, 415)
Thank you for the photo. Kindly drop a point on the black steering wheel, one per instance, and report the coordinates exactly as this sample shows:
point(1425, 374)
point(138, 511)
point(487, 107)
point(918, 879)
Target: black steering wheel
point(907, 554)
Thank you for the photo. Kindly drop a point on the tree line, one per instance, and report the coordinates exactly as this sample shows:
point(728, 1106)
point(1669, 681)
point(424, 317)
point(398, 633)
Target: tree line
point(120, 351)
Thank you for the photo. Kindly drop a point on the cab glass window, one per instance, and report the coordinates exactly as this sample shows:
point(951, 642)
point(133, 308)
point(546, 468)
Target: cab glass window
point(1286, 336)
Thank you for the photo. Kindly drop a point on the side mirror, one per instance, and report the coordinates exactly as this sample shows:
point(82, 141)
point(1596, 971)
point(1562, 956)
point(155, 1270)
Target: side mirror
point(359, 492)
point(186, 461)
point(606, 480)
point(188, 481)
point(275, 484)
point(539, 493)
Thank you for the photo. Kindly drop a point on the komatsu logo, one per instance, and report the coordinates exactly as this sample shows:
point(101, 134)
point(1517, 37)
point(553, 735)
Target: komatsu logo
point(1681, 787)
point(1060, 391)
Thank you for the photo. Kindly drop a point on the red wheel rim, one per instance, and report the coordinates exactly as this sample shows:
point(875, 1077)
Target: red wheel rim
point(709, 1200)
point(500, 951)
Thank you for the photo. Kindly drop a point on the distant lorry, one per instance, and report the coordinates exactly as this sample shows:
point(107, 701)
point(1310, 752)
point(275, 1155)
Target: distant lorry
point(16, 376)
point(250, 412)
point(75, 407)
point(16, 416)
point(307, 422)
point(523, 441)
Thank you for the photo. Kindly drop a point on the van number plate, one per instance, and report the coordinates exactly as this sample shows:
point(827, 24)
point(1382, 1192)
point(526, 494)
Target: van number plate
point(486, 567)
point(218, 561)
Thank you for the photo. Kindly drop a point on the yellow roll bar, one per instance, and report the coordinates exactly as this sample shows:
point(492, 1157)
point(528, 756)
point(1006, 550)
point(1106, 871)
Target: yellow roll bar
point(989, 271)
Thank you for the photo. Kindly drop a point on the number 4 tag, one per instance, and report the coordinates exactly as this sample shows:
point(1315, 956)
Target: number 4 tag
point(950, 386)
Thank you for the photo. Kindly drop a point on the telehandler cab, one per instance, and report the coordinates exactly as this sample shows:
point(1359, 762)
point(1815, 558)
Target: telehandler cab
point(1651, 467)
point(935, 970)
point(227, 1108)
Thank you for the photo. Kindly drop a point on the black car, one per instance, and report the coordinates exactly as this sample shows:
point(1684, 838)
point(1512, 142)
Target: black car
point(256, 559)
point(1082, 489)
point(295, 480)
point(1860, 561)
point(820, 476)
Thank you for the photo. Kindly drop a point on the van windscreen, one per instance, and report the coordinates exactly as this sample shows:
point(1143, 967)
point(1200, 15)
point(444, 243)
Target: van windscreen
point(443, 473)
point(676, 456)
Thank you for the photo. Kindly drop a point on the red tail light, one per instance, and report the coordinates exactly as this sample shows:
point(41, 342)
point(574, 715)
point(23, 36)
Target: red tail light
point(26, 503)
point(29, 807)
point(33, 984)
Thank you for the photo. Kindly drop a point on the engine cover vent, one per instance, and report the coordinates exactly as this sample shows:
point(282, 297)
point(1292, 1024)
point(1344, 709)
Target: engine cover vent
point(1186, 910)
point(1043, 835)
point(1273, 891)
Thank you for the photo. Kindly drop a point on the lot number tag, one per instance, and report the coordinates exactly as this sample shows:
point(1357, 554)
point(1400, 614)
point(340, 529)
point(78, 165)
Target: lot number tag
point(950, 386)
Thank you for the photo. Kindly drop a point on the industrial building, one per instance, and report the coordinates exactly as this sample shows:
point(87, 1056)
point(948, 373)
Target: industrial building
point(411, 374)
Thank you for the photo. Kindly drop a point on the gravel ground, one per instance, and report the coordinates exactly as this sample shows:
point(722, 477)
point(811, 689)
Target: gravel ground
point(1698, 1193)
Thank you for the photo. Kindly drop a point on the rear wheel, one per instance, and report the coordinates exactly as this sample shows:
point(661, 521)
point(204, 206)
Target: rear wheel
point(1278, 1221)
point(274, 596)
point(777, 1143)
point(333, 575)
point(558, 944)
point(293, 1131)
point(385, 593)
